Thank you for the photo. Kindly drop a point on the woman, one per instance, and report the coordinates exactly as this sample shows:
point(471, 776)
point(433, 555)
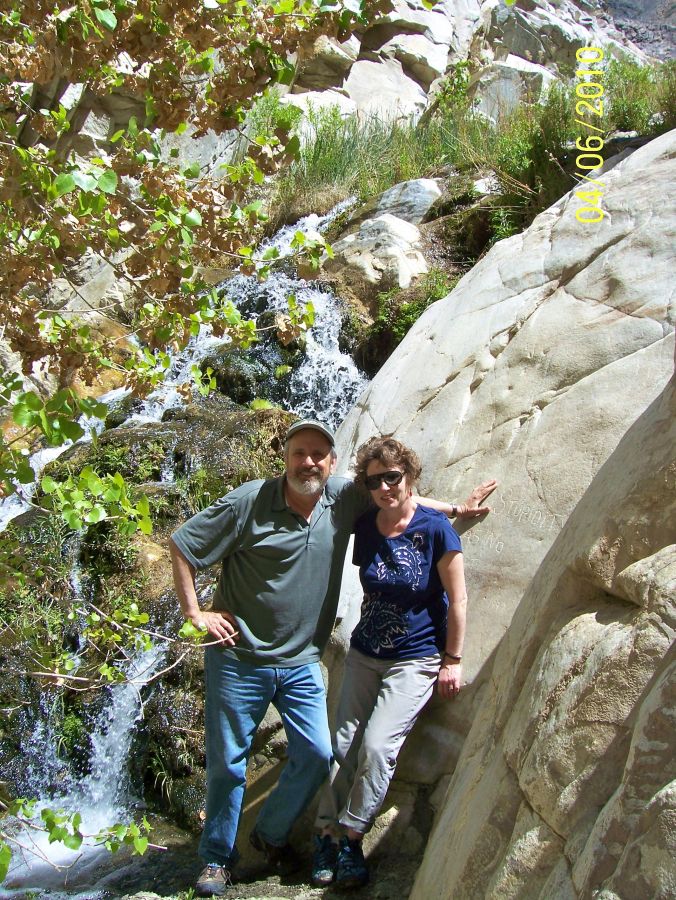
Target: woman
point(409, 638)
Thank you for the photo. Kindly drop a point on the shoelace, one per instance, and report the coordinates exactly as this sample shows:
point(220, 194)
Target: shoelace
point(351, 858)
point(213, 869)
point(326, 854)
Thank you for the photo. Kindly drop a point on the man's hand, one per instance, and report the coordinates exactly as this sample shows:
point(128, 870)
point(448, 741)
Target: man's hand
point(220, 626)
point(448, 683)
point(473, 505)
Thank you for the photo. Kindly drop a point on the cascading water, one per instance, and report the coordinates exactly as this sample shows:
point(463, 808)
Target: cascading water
point(326, 382)
point(102, 797)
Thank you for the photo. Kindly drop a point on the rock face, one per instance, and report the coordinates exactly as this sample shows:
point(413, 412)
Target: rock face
point(565, 783)
point(383, 252)
point(395, 65)
point(499, 88)
point(650, 23)
point(547, 368)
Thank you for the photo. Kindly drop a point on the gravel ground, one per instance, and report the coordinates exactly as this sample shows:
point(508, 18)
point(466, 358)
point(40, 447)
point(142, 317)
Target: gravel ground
point(171, 874)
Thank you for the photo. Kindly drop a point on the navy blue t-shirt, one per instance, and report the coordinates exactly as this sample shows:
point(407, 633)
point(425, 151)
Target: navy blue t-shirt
point(403, 614)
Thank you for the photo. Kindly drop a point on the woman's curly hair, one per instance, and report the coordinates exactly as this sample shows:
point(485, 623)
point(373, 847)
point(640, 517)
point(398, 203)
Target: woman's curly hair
point(389, 452)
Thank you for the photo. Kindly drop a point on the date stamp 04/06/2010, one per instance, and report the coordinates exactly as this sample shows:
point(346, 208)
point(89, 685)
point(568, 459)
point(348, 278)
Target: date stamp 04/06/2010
point(589, 92)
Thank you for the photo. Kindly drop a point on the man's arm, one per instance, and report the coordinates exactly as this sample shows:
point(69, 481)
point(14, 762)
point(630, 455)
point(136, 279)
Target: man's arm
point(472, 507)
point(220, 625)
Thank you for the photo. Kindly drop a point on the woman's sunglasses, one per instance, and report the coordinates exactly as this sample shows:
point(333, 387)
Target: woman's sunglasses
point(373, 482)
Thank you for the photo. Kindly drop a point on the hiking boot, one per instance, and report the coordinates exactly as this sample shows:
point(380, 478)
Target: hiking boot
point(324, 860)
point(351, 869)
point(214, 881)
point(284, 860)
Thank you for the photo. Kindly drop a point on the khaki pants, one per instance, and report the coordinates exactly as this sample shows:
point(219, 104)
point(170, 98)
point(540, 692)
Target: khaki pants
point(380, 700)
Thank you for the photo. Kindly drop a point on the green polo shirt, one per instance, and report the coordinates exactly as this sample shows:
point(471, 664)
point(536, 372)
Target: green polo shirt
point(280, 574)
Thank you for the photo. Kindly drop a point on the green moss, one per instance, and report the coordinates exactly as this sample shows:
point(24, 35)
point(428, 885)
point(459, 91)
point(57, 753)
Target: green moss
point(138, 462)
point(73, 735)
point(397, 311)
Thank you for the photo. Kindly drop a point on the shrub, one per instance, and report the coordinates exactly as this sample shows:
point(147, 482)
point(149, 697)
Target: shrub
point(641, 98)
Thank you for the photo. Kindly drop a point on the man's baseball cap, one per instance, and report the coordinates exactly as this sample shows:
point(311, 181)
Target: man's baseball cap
point(314, 424)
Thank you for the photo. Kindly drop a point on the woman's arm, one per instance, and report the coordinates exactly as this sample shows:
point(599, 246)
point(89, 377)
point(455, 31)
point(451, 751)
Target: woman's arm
point(452, 574)
point(473, 505)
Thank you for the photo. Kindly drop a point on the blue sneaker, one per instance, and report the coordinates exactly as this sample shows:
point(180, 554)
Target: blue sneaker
point(324, 860)
point(351, 870)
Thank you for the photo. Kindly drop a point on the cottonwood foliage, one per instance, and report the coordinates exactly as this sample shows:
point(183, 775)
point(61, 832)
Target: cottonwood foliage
point(181, 65)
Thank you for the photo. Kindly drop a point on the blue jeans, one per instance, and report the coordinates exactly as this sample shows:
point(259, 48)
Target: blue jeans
point(237, 697)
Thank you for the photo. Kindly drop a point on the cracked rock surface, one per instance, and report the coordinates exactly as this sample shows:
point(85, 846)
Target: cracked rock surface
point(549, 367)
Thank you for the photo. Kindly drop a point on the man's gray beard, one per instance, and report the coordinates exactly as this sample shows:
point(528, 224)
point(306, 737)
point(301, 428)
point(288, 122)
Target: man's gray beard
point(307, 487)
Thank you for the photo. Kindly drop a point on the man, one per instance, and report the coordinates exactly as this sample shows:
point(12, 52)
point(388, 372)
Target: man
point(282, 544)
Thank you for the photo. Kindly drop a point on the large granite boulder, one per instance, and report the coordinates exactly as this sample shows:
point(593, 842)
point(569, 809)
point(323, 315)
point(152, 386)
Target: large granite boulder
point(499, 88)
point(325, 63)
point(409, 200)
point(565, 786)
point(384, 253)
point(384, 90)
point(533, 370)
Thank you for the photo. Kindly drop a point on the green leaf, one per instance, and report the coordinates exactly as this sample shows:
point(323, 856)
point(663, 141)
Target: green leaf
point(188, 632)
point(193, 218)
point(145, 526)
point(96, 514)
point(72, 518)
point(24, 473)
point(48, 484)
point(5, 859)
point(72, 841)
point(140, 845)
point(84, 181)
point(69, 428)
point(108, 182)
point(106, 17)
point(31, 400)
point(23, 416)
point(64, 184)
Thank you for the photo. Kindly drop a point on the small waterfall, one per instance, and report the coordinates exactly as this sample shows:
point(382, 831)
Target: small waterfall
point(326, 382)
point(312, 226)
point(102, 797)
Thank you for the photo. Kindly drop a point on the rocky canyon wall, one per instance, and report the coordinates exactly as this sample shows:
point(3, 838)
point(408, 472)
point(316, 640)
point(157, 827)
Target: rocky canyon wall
point(549, 368)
